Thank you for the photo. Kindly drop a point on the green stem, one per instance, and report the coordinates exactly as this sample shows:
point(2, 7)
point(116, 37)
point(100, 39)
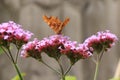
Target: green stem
point(6, 52)
point(15, 64)
point(62, 70)
point(96, 71)
point(16, 58)
point(9, 55)
point(68, 69)
point(99, 57)
point(12, 59)
point(49, 66)
point(18, 71)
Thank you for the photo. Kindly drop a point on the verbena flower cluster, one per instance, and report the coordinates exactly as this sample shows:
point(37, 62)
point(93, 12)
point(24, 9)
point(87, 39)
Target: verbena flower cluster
point(11, 32)
point(57, 45)
point(54, 46)
point(102, 41)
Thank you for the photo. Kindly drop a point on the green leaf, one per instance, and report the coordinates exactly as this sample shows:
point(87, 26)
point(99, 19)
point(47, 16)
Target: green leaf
point(70, 78)
point(115, 79)
point(17, 77)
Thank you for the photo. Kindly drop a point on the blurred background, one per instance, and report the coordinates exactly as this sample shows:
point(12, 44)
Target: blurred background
point(86, 18)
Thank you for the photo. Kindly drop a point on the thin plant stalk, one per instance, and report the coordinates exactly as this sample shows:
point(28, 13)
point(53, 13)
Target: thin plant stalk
point(99, 57)
point(96, 70)
point(62, 70)
point(15, 65)
point(69, 68)
point(18, 71)
point(62, 73)
point(9, 55)
point(49, 66)
point(5, 52)
point(16, 58)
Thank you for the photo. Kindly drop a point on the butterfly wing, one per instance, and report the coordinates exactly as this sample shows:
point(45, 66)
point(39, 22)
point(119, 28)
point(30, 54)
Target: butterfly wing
point(63, 25)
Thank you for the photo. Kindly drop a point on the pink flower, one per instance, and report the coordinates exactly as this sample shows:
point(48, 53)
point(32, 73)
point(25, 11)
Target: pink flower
point(10, 32)
point(102, 40)
point(51, 45)
point(30, 49)
point(84, 50)
point(75, 51)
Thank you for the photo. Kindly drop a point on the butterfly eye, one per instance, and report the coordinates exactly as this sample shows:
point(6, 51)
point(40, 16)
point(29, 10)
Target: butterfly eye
point(55, 24)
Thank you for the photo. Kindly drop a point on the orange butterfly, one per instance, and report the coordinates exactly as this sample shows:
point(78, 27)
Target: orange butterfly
point(55, 24)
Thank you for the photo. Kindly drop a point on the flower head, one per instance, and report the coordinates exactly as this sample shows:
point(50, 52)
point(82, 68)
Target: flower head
point(102, 40)
point(75, 51)
point(10, 32)
point(30, 49)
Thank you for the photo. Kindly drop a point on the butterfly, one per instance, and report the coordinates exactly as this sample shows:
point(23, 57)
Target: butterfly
point(55, 24)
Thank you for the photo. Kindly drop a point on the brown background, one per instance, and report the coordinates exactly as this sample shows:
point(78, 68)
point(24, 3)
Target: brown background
point(86, 17)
